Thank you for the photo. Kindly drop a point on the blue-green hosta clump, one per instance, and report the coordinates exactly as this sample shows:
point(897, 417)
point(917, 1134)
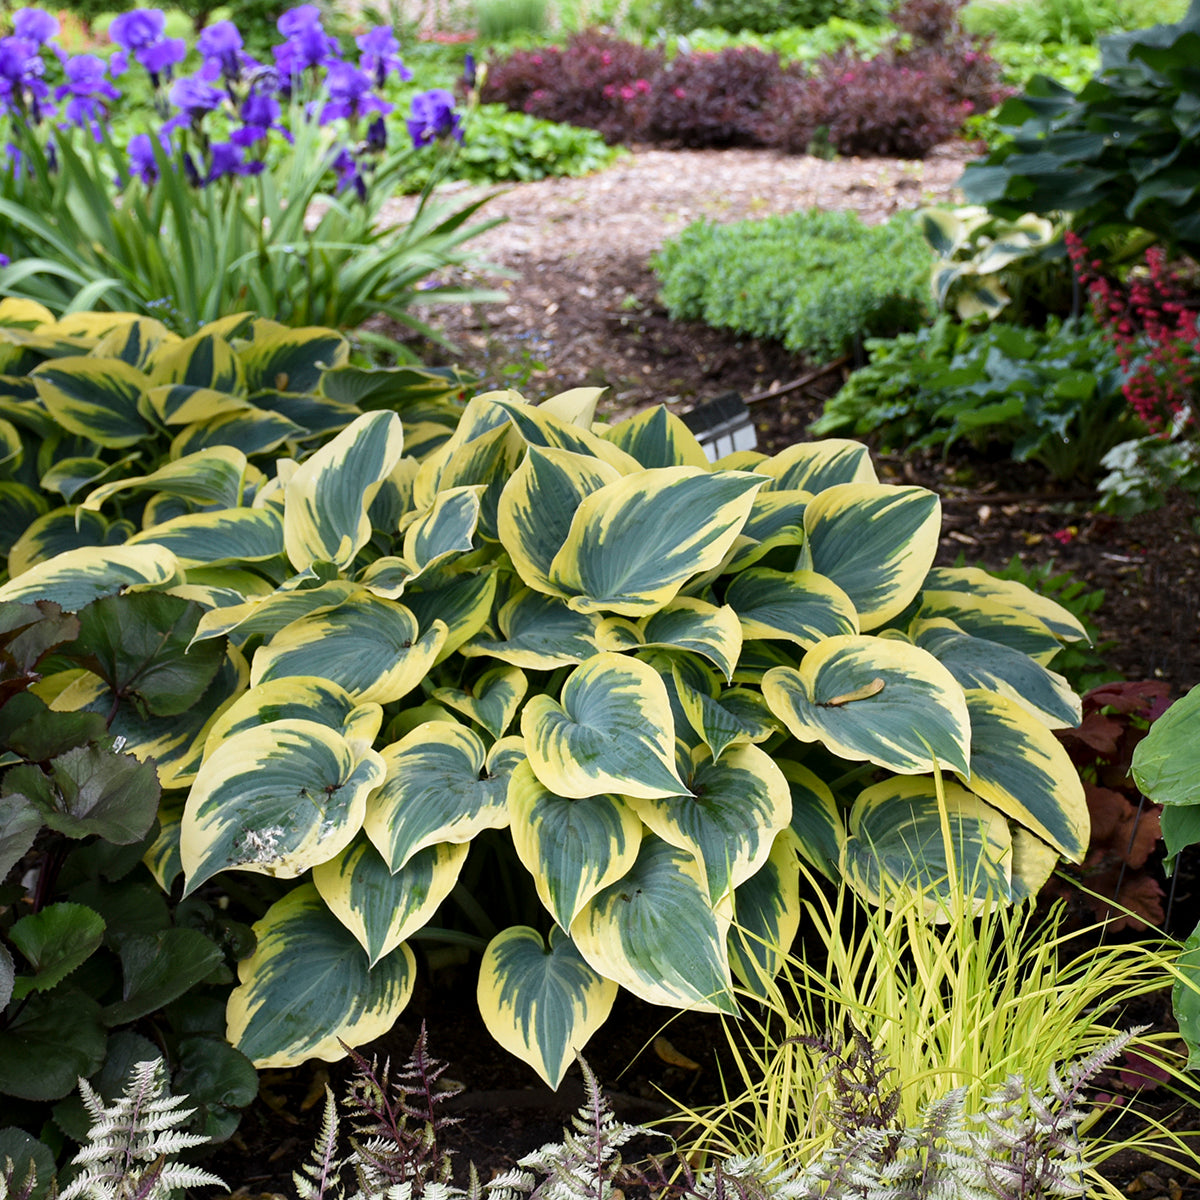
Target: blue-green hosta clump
point(589, 660)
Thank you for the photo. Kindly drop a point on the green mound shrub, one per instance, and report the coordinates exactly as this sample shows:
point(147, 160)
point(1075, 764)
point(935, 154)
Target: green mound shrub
point(1066, 22)
point(550, 690)
point(763, 16)
point(818, 282)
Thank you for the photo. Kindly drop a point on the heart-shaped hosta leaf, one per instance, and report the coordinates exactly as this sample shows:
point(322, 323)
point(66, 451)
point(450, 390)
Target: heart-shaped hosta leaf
point(978, 663)
point(538, 504)
point(543, 428)
point(308, 987)
point(877, 699)
point(815, 466)
point(326, 500)
point(233, 535)
point(60, 530)
point(983, 617)
point(655, 933)
point(491, 701)
point(162, 855)
point(539, 633)
point(739, 716)
point(212, 477)
point(269, 613)
point(816, 824)
point(876, 542)
point(541, 1004)
point(293, 699)
point(897, 841)
point(371, 647)
point(766, 916)
point(728, 824)
point(796, 606)
point(441, 786)
point(776, 519)
point(572, 848)
point(633, 544)
point(656, 437)
point(612, 732)
point(96, 398)
point(1021, 768)
point(382, 909)
point(690, 624)
point(277, 800)
point(54, 942)
point(462, 601)
point(976, 582)
point(203, 360)
point(77, 577)
point(447, 528)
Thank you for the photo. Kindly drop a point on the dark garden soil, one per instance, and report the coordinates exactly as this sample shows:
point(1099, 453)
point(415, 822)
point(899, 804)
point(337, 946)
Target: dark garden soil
point(606, 327)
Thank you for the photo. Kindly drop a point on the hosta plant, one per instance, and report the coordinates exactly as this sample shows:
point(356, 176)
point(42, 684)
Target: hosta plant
point(609, 690)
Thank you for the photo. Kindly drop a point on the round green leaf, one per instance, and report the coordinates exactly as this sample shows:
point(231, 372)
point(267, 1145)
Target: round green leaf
point(54, 942)
point(157, 968)
point(54, 1039)
point(1166, 762)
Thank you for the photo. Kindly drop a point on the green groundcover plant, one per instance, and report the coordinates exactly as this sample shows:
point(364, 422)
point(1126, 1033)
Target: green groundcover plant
point(581, 683)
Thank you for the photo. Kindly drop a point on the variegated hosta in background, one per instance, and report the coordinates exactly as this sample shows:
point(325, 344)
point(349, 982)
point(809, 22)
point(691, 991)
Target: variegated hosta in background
point(647, 683)
point(166, 423)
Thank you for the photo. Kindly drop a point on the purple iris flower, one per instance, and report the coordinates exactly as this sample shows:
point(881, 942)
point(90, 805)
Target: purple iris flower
point(142, 162)
point(227, 159)
point(34, 25)
point(298, 18)
point(380, 55)
point(141, 32)
point(350, 95)
point(221, 46)
point(349, 175)
point(307, 45)
point(88, 90)
point(433, 117)
point(469, 74)
point(22, 89)
point(4, 260)
point(195, 99)
point(376, 142)
point(260, 114)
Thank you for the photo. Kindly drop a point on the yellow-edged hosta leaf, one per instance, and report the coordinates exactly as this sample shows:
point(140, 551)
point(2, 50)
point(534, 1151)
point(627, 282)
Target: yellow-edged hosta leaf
point(538, 633)
point(612, 732)
point(896, 841)
point(231, 535)
point(448, 527)
point(162, 855)
point(656, 437)
point(542, 427)
point(1021, 768)
point(572, 848)
point(758, 658)
point(737, 716)
point(204, 360)
point(180, 404)
point(690, 624)
point(372, 647)
point(251, 430)
point(213, 476)
point(876, 699)
point(293, 699)
point(541, 1004)
point(96, 398)
point(441, 786)
point(776, 520)
point(985, 617)
point(287, 358)
point(137, 341)
point(1062, 623)
point(20, 506)
point(576, 406)
point(270, 613)
point(77, 577)
point(1033, 862)
point(308, 987)
point(70, 476)
point(537, 507)
point(815, 466)
point(59, 530)
point(766, 916)
point(655, 932)
point(876, 542)
point(277, 800)
point(979, 663)
point(817, 823)
point(387, 577)
point(633, 544)
point(325, 514)
point(462, 601)
point(492, 700)
point(728, 824)
point(382, 909)
point(796, 606)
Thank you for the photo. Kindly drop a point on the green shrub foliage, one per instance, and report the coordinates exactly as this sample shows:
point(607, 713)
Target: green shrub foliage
point(763, 16)
point(550, 689)
point(816, 281)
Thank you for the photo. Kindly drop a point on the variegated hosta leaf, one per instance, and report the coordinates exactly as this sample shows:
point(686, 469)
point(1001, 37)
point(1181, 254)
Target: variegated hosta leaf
point(203, 360)
point(572, 848)
point(1033, 862)
point(372, 647)
point(251, 430)
point(295, 698)
point(462, 601)
point(576, 406)
point(976, 582)
point(542, 427)
point(817, 823)
point(446, 529)
point(728, 824)
point(690, 624)
point(96, 398)
point(656, 933)
point(132, 341)
point(541, 1004)
point(634, 543)
point(441, 786)
point(756, 660)
point(212, 477)
point(979, 663)
point(289, 358)
point(876, 542)
point(185, 404)
point(737, 716)
point(70, 476)
point(538, 504)
point(797, 606)
point(382, 909)
point(538, 633)
point(162, 855)
point(231, 535)
point(776, 520)
point(271, 613)
point(1021, 768)
point(766, 916)
point(277, 800)
point(77, 577)
point(897, 841)
point(656, 437)
point(984, 617)
point(387, 577)
point(326, 502)
point(308, 987)
point(612, 732)
point(876, 699)
point(815, 466)
point(491, 701)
